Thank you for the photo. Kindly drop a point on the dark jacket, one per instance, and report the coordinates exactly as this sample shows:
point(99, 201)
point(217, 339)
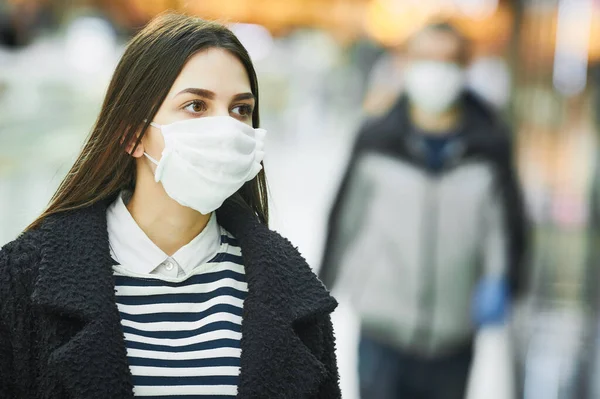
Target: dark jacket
point(60, 333)
point(409, 239)
point(482, 137)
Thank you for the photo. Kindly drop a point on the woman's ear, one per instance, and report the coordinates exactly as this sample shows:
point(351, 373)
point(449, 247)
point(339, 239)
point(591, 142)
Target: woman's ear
point(131, 148)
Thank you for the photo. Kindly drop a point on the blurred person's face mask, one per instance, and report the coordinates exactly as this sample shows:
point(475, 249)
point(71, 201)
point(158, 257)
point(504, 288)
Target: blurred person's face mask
point(206, 160)
point(434, 86)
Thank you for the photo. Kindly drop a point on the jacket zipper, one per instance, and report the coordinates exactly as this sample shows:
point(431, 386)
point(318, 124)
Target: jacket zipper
point(429, 248)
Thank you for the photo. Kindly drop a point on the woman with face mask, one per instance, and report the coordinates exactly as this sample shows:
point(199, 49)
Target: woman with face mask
point(152, 273)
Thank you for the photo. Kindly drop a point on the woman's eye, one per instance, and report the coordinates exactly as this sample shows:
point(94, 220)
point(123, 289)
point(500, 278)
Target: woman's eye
point(195, 106)
point(242, 110)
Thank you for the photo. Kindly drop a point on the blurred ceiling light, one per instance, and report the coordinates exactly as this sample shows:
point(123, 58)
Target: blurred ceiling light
point(572, 46)
point(90, 44)
point(256, 38)
point(391, 21)
point(477, 8)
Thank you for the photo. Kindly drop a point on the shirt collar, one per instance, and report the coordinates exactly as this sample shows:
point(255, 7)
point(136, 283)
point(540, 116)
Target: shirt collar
point(134, 251)
point(202, 248)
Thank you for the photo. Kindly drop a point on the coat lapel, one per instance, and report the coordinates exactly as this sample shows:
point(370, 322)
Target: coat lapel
point(282, 292)
point(75, 282)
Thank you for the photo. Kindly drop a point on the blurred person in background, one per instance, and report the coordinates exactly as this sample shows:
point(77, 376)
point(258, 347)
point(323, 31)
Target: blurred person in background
point(427, 234)
point(153, 272)
point(8, 32)
point(19, 22)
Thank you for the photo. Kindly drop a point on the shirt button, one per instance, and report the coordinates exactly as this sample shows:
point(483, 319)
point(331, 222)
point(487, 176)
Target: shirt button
point(169, 266)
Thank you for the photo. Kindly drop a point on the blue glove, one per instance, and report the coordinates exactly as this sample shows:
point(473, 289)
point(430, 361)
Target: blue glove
point(490, 302)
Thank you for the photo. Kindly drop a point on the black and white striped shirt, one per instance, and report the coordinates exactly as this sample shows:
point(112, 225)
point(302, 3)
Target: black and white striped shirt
point(182, 332)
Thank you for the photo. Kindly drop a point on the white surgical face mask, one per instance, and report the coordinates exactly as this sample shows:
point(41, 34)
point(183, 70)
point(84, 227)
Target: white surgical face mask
point(434, 86)
point(206, 160)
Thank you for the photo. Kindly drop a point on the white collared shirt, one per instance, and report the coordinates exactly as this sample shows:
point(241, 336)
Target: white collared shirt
point(133, 250)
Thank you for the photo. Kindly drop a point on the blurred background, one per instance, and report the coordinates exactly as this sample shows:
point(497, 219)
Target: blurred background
point(324, 67)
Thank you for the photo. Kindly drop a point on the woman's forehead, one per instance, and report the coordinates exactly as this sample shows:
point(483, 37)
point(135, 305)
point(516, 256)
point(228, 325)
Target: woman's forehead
point(216, 70)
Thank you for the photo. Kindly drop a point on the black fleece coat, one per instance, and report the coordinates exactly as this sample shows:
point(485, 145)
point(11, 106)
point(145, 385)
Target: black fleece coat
point(60, 333)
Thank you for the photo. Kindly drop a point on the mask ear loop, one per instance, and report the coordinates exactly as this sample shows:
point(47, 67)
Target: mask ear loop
point(156, 125)
point(154, 161)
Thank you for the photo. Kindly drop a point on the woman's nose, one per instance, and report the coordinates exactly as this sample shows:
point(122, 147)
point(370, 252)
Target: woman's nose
point(220, 110)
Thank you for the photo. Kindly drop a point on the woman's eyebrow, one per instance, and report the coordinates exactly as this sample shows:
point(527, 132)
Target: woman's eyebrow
point(199, 92)
point(211, 95)
point(244, 96)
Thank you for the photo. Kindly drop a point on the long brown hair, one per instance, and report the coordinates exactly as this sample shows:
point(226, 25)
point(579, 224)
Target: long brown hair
point(151, 63)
